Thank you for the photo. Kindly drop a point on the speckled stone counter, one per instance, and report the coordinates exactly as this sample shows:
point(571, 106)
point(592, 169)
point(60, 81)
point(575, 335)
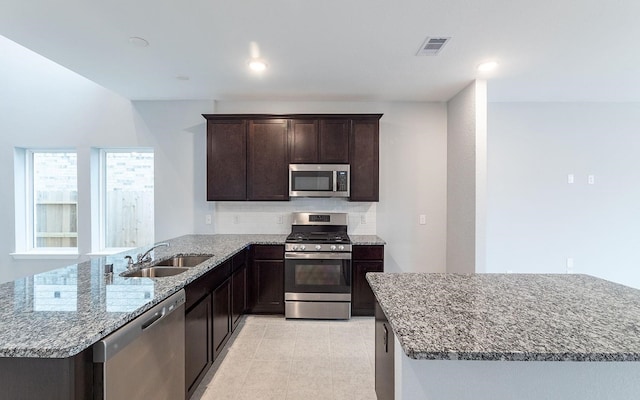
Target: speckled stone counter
point(59, 313)
point(513, 317)
point(366, 240)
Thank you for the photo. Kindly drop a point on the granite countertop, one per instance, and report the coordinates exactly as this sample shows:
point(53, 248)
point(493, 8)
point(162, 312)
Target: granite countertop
point(515, 317)
point(59, 313)
point(366, 240)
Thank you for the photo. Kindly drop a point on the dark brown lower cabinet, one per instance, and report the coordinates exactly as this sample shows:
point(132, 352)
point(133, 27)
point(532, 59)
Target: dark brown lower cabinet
point(363, 299)
point(221, 316)
point(267, 280)
point(385, 375)
point(197, 343)
point(47, 378)
point(238, 295)
point(207, 322)
point(364, 259)
point(268, 287)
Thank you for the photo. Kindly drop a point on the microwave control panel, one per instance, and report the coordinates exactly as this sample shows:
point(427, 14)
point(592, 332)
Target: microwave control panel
point(341, 185)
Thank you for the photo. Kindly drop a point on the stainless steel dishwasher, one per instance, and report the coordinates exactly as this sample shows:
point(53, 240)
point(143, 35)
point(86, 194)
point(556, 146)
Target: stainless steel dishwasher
point(145, 358)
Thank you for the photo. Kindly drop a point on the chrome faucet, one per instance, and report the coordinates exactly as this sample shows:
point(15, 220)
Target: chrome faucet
point(145, 257)
point(130, 263)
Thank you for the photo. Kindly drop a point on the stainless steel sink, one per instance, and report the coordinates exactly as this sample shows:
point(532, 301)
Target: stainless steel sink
point(155, 272)
point(184, 261)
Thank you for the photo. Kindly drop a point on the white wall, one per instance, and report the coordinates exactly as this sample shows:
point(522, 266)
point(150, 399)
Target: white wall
point(413, 182)
point(466, 179)
point(45, 105)
point(180, 135)
point(536, 220)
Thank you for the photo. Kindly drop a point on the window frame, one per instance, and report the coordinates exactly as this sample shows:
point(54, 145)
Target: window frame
point(25, 207)
point(99, 197)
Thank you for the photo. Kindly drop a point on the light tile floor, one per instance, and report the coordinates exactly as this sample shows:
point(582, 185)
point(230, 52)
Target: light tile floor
point(273, 358)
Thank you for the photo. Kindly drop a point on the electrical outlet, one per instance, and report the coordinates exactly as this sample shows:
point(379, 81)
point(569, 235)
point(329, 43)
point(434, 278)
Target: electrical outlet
point(591, 179)
point(279, 220)
point(570, 178)
point(569, 265)
point(236, 219)
point(363, 219)
point(207, 219)
point(423, 219)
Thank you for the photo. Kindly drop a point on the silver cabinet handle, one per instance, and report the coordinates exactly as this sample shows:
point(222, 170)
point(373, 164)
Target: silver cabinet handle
point(386, 338)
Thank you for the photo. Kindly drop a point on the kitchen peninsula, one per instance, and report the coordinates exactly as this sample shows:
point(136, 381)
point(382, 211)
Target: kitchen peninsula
point(55, 330)
point(506, 336)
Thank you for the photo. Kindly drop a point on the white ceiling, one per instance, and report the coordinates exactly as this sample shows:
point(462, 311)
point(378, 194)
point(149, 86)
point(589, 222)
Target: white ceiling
point(548, 50)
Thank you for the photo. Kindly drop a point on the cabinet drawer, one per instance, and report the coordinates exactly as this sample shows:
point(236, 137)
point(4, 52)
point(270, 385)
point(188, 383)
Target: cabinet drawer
point(239, 260)
point(367, 253)
point(268, 252)
point(207, 283)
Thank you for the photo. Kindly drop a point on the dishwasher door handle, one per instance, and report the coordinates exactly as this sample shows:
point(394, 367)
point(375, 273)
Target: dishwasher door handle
point(155, 319)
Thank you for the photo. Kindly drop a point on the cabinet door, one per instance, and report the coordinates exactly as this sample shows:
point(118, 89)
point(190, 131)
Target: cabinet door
point(333, 142)
point(197, 334)
point(363, 157)
point(227, 160)
point(362, 298)
point(303, 141)
point(268, 168)
point(267, 286)
point(384, 354)
point(238, 295)
point(221, 317)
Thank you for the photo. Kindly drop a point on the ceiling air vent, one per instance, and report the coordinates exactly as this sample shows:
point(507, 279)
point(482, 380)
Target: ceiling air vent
point(432, 46)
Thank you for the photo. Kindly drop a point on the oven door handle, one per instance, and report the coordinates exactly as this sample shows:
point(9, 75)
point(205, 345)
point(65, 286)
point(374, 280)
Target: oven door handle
point(317, 256)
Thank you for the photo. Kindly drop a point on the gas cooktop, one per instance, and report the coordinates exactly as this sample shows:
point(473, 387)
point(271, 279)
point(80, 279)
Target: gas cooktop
point(318, 232)
point(323, 237)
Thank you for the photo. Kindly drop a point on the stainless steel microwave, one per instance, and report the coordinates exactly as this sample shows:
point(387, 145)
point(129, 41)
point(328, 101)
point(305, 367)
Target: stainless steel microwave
point(319, 180)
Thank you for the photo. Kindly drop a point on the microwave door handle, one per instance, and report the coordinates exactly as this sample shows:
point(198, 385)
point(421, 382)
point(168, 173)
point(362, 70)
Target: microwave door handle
point(335, 181)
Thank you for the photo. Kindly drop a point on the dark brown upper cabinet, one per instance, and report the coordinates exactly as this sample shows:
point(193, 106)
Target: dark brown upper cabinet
point(323, 141)
point(303, 141)
point(364, 159)
point(333, 141)
point(268, 166)
point(248, 154)
point(226, 160)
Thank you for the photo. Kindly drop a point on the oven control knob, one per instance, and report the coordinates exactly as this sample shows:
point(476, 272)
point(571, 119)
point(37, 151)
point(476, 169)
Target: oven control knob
point(341, 247)
point(333, 247)
point(318, 247)
point(294, 247)
point(303, 247)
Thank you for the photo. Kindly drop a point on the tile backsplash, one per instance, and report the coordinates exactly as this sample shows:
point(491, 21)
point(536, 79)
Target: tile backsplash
point(275, 217)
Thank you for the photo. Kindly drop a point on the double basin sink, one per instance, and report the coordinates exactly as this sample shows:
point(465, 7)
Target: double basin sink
point(169, 267)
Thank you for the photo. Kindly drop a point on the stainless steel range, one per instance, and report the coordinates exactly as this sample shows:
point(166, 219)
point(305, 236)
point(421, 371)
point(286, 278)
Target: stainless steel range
point(317, 267)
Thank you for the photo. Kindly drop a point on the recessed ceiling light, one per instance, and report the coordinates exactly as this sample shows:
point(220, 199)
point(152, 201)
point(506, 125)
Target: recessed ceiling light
point(138, 41)
point(182, 78)
point(487, 66)
point(257, 65)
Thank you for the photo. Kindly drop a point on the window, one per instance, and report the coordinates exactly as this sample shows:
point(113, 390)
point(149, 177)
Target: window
point(50, 199)
point(126, 198)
